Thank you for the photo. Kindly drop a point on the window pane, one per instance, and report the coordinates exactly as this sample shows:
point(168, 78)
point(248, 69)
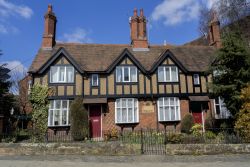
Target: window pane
point(133, 74)
point(64, 117)
point(130, 103)
point(126, 74)
point(70, 74)
point(64, 104)
point(130, 115)
point(160, 101)
point(61, 74)
point(160, 74)
point(118, 103)
point(217, 109)
point(172, 113)
point(124, 104)
point(58, 104)
point(161, 117)
point(196, 79)
point(51, 106)
point(135, 115)
point(54, 74)
point(177, 114)
point(174, 74)
point(50, 117)
point(166, 113)
point(167, 72)
point(56, 117)
point(172, 101)
point(124, 115)
point(118, 74)
point(118, 115)
point(94, 80)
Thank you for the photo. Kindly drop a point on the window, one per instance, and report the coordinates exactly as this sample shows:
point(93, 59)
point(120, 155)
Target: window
point(126, 110)
point(29, 86)
point(220, 109)
point(59, 113)
point(169, 109)
point(167, 74)
point(196, 79)
point(61, 74)
point(95, 80)
point(126, 74)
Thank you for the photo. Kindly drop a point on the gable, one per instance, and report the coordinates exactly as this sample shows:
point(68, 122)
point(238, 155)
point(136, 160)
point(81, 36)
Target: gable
point(60, 57)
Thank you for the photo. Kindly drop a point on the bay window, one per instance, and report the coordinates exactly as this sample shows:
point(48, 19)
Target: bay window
point(126, 110)
point(167, 74)
point(126, 74)
point(61, 74)
point(59, 113)
point(168, 109)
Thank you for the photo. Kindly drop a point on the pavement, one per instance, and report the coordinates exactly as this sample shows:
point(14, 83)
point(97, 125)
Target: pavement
point(241, 160)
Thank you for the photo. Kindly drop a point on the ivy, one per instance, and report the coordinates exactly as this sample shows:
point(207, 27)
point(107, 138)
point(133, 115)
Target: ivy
point(40, 104)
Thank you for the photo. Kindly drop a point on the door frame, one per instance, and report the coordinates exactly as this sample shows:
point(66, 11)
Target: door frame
point(202, 114)
point(100, 118)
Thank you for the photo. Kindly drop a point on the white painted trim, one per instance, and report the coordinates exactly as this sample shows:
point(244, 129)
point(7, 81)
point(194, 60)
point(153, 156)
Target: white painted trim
point(203, 123)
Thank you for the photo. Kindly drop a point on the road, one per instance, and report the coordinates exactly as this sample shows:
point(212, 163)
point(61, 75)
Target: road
point(126, 161)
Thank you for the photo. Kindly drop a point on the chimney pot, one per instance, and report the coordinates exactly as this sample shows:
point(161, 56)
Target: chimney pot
point(135, 12)
point(141, 12)
point(49, 8)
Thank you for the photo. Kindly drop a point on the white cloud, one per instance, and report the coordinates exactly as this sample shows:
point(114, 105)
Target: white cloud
point(8, 9)
point(18, 72)
point(78, 35)
point(6, 29)
point(174, 12)
point(210, 3)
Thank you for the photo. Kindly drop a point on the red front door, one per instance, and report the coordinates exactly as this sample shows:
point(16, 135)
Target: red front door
point(95, 120)
point(197, 117)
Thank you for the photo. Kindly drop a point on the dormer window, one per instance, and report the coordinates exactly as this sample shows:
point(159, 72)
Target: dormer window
point(126, 74)
point(196, 79)
point(95, 80)
point(167, 74)
point(61, 74)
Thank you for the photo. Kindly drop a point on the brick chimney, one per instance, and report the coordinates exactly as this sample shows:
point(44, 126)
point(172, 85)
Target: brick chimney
point(138, 30)
point(214, 32)
point(49, 34)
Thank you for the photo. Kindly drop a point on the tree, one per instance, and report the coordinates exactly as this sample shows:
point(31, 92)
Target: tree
point(79, 120)
point(242, 124)
point(231, 69)
point(40, 104)
point(6, 99)
point(228, 11)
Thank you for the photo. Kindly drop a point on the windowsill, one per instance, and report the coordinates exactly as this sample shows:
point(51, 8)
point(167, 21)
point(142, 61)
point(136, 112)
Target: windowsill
point(123, 123)
point(94, 86)
point(170, 121)
point(168, 81)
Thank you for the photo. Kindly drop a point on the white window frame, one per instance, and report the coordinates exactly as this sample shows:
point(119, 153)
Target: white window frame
point(224, 114)
point(127, 108)
point(92, 79)
point(60, 113)
point(123, 77)
point(196, 79)
point(166, 103)
point(170, 74)
point(58, 74)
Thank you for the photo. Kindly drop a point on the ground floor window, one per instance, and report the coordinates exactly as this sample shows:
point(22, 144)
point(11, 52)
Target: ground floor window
point(220, 109)
point(126, 110)
point(59, 113)
point(168, 109)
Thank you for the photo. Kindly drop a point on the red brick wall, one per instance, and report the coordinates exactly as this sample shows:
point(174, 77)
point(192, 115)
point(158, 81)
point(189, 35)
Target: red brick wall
point(146, 120)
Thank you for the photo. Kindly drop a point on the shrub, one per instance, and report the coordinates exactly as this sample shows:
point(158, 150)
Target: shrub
point(40, 104)
point(209, 122)
point(210, 135)
point(196, 130)
point(174, 138)
point(79, 120)
point(186, 123)
point(242, 124)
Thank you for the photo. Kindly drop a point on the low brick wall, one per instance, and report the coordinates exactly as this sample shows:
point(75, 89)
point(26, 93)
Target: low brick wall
point(116, 148)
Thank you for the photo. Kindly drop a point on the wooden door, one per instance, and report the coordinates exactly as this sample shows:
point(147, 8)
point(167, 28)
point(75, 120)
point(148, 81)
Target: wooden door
point(95, 120)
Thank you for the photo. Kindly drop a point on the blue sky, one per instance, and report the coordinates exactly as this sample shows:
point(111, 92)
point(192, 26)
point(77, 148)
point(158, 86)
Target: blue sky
point(95, 21)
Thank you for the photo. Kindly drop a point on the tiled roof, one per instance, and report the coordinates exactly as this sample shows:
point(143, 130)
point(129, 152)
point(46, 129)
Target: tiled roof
point(99, 57)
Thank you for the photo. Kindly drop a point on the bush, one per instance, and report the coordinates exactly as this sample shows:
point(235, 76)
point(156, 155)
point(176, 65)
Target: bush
point(196, 130)
point(40, 105)
point(186, 123)
point(174, 138)
point(79, 120)
point(210, 135)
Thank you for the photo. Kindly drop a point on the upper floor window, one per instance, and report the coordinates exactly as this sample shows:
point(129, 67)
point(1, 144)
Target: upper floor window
point(196, 79)
point(167, 74)
point(126, 110)
point(126, 74)
point(59, 113)
point(61, 74)
point(95, 80)
point(169, 109)
point(220, 109)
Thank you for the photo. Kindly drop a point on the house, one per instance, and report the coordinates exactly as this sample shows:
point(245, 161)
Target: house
point(136, 85)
